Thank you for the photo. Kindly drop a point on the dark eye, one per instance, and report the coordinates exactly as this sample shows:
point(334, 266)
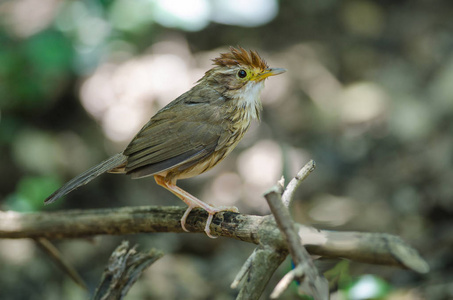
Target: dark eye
point(242, 73)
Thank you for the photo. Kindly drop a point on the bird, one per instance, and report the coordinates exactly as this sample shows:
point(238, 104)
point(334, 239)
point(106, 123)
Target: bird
point(194, 132)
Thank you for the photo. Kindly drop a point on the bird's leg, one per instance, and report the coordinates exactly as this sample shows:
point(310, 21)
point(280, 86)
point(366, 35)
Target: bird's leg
point(192, 202)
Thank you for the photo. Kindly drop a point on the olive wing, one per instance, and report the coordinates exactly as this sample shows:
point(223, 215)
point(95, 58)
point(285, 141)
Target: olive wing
point(174, 137)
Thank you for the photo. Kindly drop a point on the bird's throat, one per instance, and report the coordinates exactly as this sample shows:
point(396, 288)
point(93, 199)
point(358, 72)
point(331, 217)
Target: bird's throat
point(249, 99)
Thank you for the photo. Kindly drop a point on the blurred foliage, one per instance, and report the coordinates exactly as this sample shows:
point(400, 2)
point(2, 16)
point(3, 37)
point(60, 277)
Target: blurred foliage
point(367, 94)
point(368, 287)
point(30, 191)
point(339, 275)
point(34, 70)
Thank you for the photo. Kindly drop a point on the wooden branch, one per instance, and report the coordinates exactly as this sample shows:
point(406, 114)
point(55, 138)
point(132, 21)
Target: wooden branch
point(263, 262)
point(288, 193)
point(363, 247)
point(61, 261)
point(121, 221)
point(124, 267)
point(372, 248)
point(258, 269)
point(305, 270)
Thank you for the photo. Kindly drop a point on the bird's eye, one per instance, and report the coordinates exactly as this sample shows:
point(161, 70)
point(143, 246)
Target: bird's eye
point(242, 73)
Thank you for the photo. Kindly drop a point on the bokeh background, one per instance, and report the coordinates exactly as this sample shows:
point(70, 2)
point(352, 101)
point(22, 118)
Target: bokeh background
point(368, 95)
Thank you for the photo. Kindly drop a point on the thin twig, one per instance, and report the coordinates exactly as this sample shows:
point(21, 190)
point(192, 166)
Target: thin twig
point(243, 271)
point(288, 194)
point(59, 259)
point(284, 283)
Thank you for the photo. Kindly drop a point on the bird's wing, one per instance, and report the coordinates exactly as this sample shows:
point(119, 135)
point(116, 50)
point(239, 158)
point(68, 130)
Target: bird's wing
point(181, 134)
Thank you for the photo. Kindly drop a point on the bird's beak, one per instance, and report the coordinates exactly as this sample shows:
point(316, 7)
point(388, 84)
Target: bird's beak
point(269, 72)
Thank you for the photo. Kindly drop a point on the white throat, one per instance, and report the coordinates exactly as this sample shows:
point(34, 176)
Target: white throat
point(249, 99)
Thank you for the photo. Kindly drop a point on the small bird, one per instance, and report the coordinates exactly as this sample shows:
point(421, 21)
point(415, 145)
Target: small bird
point(194, 132)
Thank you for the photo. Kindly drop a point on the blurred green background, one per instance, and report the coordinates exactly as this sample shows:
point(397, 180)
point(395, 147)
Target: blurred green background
point(368, 95)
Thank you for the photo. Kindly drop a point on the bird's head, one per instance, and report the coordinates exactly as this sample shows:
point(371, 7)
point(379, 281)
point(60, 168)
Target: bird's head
point(239, 73)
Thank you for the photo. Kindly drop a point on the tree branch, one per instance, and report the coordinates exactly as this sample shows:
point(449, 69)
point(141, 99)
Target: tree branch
point(305, 270)
point(125, 266)
point(372, 248)
point(258, 269)
point(288, 193)
point(61, 261)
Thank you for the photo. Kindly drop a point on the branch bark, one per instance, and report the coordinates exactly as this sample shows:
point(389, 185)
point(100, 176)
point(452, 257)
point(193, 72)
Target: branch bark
point(258, 269)
point(372, 248)
point(305, 270)
point(125, 266)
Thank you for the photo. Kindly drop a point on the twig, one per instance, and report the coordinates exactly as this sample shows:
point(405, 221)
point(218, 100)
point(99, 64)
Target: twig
point(243, 271)
point(59, 259)
point(288, 194)
point(284, 283)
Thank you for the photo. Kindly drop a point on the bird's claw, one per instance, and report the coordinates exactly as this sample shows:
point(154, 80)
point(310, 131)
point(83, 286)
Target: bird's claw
point(184, 218)
point(211, 211)
point(207, 228)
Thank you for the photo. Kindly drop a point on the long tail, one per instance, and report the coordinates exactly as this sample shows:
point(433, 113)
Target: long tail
point(82, 179)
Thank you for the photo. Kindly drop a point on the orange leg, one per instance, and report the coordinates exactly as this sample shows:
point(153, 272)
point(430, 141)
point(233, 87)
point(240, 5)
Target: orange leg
point(192, 202)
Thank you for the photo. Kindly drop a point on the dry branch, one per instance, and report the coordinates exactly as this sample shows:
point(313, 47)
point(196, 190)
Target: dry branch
point(258, 269)
point(288, 193)
point(372, 248)
point(61, 261)
point(124, 267)
point(305, 270)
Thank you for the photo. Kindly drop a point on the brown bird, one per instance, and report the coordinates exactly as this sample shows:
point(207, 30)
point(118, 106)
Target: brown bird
point(194, 132)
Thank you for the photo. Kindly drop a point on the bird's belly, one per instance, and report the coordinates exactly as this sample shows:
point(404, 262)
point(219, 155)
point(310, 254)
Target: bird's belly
point(203, 165)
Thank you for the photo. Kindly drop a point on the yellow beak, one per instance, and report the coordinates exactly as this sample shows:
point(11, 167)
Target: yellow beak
point(269, 72)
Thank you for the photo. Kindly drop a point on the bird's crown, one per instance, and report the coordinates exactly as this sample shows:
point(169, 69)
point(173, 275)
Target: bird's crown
point(240, 56)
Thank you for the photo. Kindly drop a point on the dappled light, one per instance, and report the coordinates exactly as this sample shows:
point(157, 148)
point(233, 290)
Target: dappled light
point(259, 170)
point(17, 18)
point(123, 96)
point(24, 251)
point(333, 211)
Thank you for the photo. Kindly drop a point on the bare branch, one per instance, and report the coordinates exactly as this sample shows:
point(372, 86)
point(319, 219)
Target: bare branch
point(284, 283)
point(124, 268)
point(288, 194)
point(247, 228)
point(363, 247)
point(307, 271)
point(59, 259)
point(259, 268)
point(243, 271)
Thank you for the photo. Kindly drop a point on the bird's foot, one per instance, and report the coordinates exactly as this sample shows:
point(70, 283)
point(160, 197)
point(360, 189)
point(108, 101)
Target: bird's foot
point(211, 210)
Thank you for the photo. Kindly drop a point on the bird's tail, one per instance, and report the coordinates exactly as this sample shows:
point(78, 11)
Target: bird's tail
point(82, 179)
